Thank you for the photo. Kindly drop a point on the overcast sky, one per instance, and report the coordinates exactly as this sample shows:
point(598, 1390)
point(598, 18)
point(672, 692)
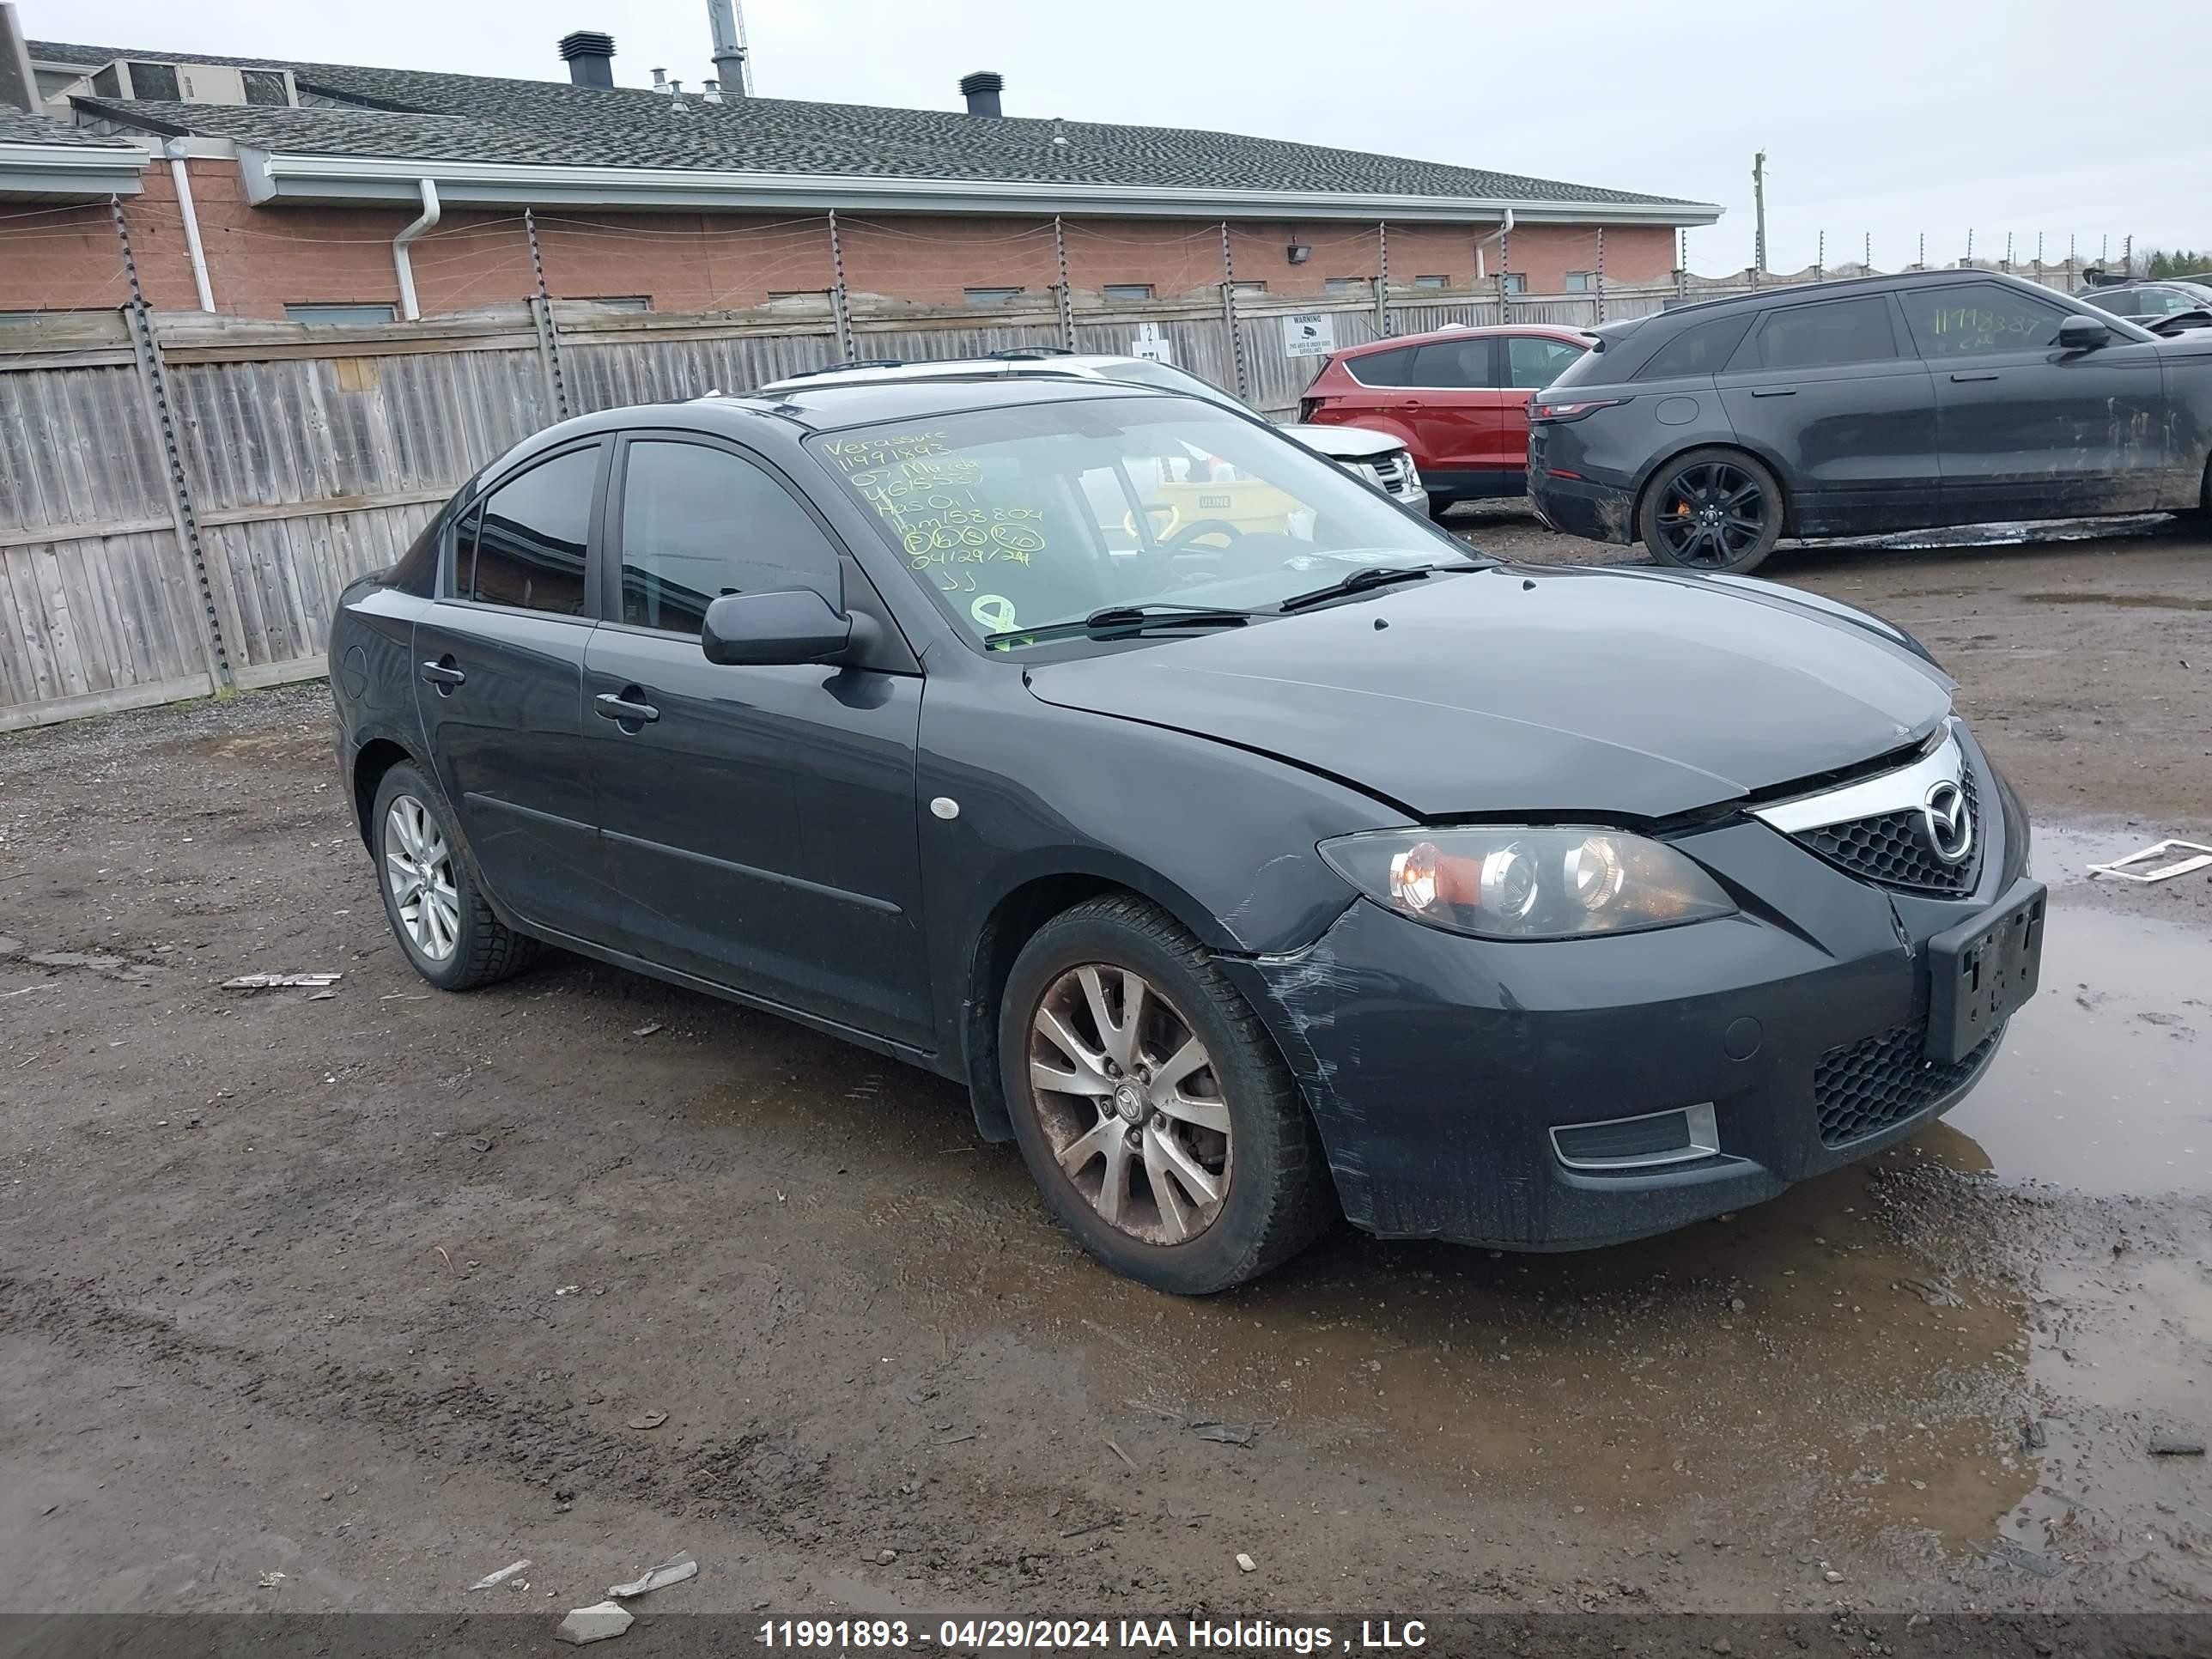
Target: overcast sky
point(1893, 116)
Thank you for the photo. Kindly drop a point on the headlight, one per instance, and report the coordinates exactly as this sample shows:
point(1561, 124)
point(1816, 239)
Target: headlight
point(1501, 882)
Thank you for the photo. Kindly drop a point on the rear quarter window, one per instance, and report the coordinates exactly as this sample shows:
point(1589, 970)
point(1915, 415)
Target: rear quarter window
point(1381, 367)
point(1700, 349)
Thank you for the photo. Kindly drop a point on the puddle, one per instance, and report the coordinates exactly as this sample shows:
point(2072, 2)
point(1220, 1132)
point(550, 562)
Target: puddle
point(2162, 601)
point(2104, 1084)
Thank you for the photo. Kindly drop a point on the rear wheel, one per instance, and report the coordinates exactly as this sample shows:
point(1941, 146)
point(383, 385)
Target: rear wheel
point(1712, 509)
point(1153, 1111)
point(449, 933)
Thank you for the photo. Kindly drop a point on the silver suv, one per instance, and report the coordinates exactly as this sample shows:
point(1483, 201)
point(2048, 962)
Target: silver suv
point(1376, 457)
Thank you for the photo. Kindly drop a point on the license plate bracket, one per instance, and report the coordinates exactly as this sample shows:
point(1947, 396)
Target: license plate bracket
point(1981, 971)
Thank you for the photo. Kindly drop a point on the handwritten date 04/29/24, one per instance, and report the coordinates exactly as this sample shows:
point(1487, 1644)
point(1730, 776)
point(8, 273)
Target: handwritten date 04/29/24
point(1095, 1635)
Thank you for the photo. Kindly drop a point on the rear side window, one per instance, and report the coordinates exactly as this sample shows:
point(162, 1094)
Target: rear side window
point(698, 523)
point(1457, 365)
point(1816, 337)
point(1532, 361)
point(1700, 349)
point(2117, 300)
point(524, 546)
point(1381, 367)
point(1976, 319)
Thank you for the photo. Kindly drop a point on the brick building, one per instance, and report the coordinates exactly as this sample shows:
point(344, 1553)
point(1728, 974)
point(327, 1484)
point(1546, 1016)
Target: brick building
point(336, 193)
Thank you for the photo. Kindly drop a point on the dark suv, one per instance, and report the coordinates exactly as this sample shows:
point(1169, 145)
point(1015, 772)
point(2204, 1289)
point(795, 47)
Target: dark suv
point(1893, 402)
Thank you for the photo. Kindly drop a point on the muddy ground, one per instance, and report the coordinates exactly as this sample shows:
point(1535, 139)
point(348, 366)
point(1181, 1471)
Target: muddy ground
point(340, 1303)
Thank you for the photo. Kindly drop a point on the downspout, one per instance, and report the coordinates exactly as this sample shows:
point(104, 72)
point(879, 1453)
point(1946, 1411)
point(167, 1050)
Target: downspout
point(402, 261)
point(192, 218)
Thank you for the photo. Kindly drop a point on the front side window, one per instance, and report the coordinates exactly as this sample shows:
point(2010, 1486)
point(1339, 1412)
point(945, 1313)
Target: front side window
point(1837, 332)
point(1452, 364)
point(1532, 361)
point(1031, 515)
point(698, 522)
point(524, 546)
point(1977, 318)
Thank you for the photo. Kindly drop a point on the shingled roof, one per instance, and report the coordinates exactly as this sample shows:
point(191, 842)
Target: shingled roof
point(17, 127)
point(414, 114)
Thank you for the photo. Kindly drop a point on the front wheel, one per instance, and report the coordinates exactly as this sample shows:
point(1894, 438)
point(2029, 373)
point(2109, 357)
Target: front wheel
point(1712, 510)
point(1153, 1109)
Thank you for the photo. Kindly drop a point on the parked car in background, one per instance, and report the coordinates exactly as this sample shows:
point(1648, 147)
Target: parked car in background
point(1458, 398)
point(1377, 457)
point(1329, 868)
point(1888, 403)
point(2169, 304)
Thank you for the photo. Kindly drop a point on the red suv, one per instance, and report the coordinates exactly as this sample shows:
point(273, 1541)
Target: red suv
point(1458, 398)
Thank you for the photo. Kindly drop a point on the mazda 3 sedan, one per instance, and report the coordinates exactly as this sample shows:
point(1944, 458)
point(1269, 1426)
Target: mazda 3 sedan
point(1251, 851)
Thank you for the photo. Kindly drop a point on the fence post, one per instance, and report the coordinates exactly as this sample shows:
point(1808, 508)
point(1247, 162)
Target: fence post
point(839, 307)
point(1383, 282)
point(154, 377)
point(1682, 263)
point(1066, 305)
point(1820, 258)
point(1601, 273)
point(1504, 266)
point(549, 337)
point(1229, 317)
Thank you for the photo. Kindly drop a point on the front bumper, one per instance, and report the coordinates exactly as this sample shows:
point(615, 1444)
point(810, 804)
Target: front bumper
point(1596, 512)
point(1437, 1065)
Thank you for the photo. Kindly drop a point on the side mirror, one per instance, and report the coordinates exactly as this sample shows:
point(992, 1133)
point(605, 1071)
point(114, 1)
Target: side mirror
point(788, 625)
point(2083, 334)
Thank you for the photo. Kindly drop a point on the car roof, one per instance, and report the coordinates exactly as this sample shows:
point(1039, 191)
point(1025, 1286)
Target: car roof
point(839, 403)
point(1461, 331)
point(1842, 285)
point(1037, 360)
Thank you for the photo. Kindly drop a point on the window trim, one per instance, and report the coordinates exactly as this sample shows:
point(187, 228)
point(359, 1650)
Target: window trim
point(618, 484)
point(594, 535)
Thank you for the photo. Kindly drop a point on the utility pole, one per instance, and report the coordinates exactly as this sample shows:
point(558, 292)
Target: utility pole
point(1758, 211)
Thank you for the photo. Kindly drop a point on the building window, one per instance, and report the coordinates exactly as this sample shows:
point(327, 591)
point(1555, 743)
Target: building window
point(798, 299)
point(341, 316)
point(1581, 281)
point(990, 296)
point(1248, 288)
point(1516, 282)
point(1345, 285)
point(1431, 282)
point(1128, 290)
point(262, 87)
point(620, 301)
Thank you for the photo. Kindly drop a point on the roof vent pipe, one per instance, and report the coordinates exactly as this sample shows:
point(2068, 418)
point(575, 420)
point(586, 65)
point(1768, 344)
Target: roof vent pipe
point(729, 46)
point(981, 91)
point(660, 79)
point(711, 90)
point(590, 56)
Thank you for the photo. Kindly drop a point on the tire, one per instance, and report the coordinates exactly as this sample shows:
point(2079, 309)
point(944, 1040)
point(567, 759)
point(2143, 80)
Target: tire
point(1271, 1177)
point(1712, 509)
point(409, 818)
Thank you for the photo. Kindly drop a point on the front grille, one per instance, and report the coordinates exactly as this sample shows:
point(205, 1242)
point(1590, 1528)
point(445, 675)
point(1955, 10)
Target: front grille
point(1389, 472)
point(1867, 1086)
point(1892, 848)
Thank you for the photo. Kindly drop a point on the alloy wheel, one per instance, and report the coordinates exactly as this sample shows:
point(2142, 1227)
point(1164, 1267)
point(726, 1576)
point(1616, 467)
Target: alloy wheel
point(419, 865)
point(1712, 514)
point(1130, 1103)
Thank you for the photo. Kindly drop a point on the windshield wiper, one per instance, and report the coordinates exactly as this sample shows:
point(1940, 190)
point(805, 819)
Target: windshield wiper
point(1356, 582)
point(1128, 619)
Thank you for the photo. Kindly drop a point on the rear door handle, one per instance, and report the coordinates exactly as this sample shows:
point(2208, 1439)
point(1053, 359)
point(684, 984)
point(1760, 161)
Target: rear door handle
point(442, 673)
point(1990, 375)
point(628, 708)
point(1774, 391)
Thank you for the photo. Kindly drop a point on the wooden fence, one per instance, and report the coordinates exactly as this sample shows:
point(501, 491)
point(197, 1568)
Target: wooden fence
point(182, 497)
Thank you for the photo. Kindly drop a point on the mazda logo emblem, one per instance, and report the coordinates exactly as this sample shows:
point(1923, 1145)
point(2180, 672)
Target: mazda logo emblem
point(1949, 825)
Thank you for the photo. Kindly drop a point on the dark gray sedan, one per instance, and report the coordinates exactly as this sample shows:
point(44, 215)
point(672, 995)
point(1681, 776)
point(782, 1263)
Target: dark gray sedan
point(1893, 402)
point(1252, 851)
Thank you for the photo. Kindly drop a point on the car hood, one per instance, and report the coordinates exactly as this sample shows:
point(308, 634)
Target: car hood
point(1342, 443)
point(1554, 692)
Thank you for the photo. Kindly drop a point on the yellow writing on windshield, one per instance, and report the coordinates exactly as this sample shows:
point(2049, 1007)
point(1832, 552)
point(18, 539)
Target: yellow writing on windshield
point(932, 502)
point(852, 454)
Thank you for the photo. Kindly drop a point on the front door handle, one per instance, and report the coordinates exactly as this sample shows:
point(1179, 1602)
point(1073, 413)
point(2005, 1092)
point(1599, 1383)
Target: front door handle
point(442, 673)
point(1991, 375)
point(630, 708)
point(1774, 391)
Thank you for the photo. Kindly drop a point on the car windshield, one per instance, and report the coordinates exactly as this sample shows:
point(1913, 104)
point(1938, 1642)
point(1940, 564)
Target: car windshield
point(1035, 514)
point(1166, 377)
